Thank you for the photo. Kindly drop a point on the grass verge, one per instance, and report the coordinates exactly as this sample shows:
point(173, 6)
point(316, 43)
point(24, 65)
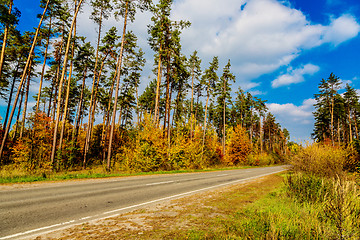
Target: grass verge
point(260, 209)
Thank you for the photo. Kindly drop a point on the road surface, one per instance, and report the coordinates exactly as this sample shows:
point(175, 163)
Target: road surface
point(36, 209)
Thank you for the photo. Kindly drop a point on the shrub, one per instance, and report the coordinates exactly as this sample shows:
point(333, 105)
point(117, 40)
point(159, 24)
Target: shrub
point(321, 159)
point(306, 187)
point(33, 151)
point(147, 152)
point(238, 146)
point(260, 159)
point(342, 208)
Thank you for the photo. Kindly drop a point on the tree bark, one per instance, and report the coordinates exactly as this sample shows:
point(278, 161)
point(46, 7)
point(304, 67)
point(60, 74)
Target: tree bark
point(6, 33)
point(92, 98)
point(61, 83)
point(26, 102)
point(158, 88)
point(206, 108)
point(22, 81)
point(65, 112)
point(117, 86)
point(11, 94)
point(43, 68)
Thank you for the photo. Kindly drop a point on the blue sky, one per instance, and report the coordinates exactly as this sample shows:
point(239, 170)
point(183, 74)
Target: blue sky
point(279, 50)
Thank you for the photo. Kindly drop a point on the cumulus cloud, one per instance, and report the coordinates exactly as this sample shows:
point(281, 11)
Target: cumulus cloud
point(341, 29)
point(258, 35)
point(294, 75)
point(297, 119)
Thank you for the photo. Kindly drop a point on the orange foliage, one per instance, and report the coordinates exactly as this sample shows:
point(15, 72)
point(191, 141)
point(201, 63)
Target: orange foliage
point(33, 151)
point(238, 146)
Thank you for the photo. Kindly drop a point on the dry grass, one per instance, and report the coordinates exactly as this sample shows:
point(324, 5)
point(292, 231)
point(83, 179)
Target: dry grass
point(197, 215)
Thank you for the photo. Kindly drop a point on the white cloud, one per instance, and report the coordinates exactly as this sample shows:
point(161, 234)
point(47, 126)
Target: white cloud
point(257, 93)
point(260, 36)
point(341, 29)
point(294, 75)
point(297, 119)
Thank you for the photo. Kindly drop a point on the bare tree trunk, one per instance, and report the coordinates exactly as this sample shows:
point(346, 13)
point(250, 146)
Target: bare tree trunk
point(137, 106)
point(332, 121)
point(224, 119)
point(6, 33)
point(61, 83)
point(79, 111)
point(65, 112)
point(92, 100)
point(117, 87)
point(105, 127)
point(356, 127)
point(338, 132)
point(350, 130)
point(158, 88)
point(26, 102)
point(43, 68)
point(192, 103)
point(206, 108)
point(22, 81)
point(167, 108)
point(261, 135)
point(11, 94)
point(18, 114)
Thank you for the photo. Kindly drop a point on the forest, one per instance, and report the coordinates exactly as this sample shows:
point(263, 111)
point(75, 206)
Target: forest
point(91, 114)
point(89, 110)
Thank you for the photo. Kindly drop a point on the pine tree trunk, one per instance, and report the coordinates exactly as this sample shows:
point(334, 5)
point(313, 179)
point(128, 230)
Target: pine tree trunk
point(6, 33)
point(61, 83)
point(332, 121)
point(117, 86)
point(79, 111)
point(65, 112)
point(261, 136)
point(18, 114)
point(22, 81)
point(167, 108)
point(10, 95)
point(43, 68)
point(158, 88)
point(192, 103)
point(26, 102)
point(203, 141)
point(105, 129)
point(350, 130)
point(356, 127)
point(224, 129)
point(92, 98)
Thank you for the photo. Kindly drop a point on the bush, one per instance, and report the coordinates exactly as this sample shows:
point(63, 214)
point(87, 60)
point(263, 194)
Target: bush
point(33, 151)
point(238, 146)
point(336, 198)
point(322, 160)
point(147, 152)
point(261, 159)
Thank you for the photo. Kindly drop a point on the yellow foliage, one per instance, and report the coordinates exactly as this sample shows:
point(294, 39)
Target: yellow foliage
point(324, 160)
point(238, 146)
point(148, 150)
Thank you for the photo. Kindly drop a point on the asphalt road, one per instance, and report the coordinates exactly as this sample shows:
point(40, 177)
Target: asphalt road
point(35, 209)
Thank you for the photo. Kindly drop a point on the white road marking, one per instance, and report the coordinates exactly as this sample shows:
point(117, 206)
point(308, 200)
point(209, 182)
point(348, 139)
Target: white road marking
point(38, 229)
point(220, 175)
point(106, 214)
point(159, 183)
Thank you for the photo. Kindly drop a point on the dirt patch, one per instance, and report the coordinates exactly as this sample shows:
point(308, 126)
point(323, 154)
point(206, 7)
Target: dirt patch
point(174, 218)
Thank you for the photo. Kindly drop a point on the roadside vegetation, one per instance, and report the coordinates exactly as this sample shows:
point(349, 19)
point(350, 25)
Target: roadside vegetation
point(90, 113)
point(318, 199)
